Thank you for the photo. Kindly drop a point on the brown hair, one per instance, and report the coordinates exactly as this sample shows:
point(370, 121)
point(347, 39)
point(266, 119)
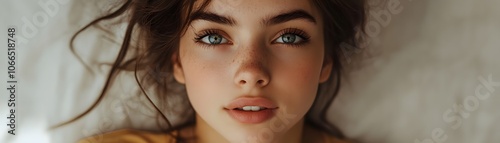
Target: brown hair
point(161, 23)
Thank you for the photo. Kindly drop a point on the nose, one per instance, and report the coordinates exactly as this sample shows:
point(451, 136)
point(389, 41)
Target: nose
point(252, 71)
point(252, 75)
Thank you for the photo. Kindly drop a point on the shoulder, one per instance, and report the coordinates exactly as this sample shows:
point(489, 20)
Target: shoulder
point(129, 136)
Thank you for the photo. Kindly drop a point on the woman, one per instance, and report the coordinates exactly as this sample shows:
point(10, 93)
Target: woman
point(252, 70)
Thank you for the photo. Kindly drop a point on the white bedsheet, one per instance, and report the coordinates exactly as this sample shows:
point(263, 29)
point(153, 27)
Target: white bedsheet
point(427, 59)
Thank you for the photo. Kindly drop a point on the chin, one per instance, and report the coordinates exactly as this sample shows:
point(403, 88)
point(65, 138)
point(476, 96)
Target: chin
point(254, 133)
point(251, 137)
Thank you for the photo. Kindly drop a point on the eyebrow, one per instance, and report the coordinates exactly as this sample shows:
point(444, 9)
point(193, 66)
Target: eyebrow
point(296, 14)
point(281, 18)
point(209, 16)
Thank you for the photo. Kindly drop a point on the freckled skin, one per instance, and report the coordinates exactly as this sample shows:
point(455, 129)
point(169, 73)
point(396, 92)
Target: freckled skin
point(252, 65)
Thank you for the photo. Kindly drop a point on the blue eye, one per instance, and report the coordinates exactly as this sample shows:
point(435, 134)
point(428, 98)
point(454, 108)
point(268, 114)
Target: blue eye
point(213, 39)
point(289, 39)
point(292, 36)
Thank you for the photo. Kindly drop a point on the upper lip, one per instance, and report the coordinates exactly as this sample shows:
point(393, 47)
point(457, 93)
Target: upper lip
point(239, 103)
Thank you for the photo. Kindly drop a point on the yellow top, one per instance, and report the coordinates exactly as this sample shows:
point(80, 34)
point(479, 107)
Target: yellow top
point(136, 136)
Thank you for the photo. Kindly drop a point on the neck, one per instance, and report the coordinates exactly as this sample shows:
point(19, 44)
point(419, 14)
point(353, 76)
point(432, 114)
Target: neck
point(206, 134)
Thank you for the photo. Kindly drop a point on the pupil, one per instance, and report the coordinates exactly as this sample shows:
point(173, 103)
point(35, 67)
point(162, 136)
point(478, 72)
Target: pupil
point(288, 38)
point(215, 39)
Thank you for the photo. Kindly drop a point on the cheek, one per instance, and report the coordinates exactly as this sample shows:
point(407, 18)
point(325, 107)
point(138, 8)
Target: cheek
point(206, 78)
point(296, 82)
point(202, 88)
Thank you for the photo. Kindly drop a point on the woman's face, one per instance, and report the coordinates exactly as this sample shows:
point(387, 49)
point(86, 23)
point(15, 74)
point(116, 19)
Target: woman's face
point(252, 68)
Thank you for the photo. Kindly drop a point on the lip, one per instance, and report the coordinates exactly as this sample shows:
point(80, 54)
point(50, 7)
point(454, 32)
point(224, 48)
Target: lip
point(249, 101)
point(251, 117)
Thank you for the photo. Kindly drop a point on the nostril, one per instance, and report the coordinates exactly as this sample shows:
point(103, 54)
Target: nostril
point(260, 82)
point(243, 81)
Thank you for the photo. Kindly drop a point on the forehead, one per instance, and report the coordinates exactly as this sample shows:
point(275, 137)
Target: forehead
point(257, 9)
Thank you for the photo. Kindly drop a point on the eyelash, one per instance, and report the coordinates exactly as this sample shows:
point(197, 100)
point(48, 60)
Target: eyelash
point(205, 33)
point(295, 31)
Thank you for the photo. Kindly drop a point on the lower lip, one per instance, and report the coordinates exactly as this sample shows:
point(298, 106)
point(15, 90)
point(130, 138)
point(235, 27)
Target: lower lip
point(251, 117)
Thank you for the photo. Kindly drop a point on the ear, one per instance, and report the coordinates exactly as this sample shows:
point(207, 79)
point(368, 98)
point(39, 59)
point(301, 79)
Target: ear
point(326, 70)
point(178, 71)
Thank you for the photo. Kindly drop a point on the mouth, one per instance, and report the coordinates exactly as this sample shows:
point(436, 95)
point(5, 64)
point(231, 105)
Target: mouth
point(251, 110)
